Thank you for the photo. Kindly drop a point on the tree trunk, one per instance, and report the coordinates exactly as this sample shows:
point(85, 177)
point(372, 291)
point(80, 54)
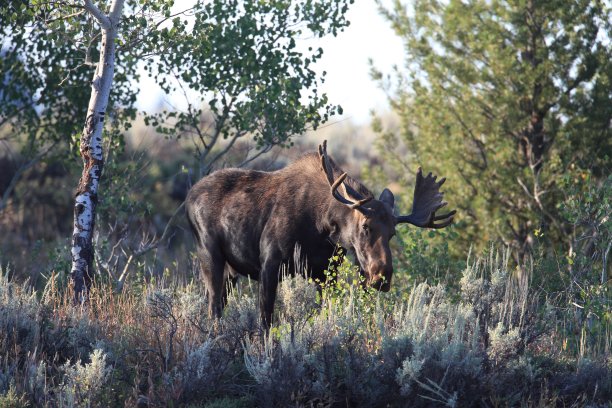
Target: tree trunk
point(91, 152)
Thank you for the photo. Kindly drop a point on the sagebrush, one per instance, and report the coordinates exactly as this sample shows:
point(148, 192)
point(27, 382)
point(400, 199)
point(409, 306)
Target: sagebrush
point(494, 342)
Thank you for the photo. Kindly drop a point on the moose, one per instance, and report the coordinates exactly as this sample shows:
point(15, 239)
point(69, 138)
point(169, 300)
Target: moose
point(248, 222)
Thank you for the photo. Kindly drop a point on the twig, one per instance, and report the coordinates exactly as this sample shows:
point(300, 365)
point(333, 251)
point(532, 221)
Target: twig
point(75, 14)
point(146, 248)
point(236, 136)
point(248, 160)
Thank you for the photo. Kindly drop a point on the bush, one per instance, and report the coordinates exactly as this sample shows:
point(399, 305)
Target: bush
point(83, 383)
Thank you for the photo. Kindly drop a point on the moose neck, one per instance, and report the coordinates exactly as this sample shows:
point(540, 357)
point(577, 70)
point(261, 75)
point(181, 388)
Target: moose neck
point(336, 221)
point(333, 218)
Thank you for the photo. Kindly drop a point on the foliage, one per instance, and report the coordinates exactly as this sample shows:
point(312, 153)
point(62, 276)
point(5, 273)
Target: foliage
point(511, 101)
point(503, 98)
point(242, 61)
point(480, 82)
point(82, 382)
point(587, 206)
point(12, 400)
point(425, 256)
point(578, 281)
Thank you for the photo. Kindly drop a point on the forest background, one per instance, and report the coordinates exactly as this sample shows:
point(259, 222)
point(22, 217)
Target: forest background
point(512, 101)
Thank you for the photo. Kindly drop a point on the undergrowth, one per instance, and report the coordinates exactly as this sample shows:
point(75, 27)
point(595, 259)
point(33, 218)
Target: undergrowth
point(494, 342)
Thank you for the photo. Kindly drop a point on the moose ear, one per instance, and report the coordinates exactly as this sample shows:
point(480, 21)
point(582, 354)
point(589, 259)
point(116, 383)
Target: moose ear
point(387, 197)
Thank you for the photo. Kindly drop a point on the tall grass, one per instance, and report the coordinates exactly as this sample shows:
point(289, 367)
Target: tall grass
point(494, 342)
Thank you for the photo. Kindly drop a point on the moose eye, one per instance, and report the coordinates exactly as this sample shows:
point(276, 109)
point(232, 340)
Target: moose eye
point(365, 228)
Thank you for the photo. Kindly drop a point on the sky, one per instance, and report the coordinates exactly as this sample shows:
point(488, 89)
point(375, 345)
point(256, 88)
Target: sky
point(345, 59)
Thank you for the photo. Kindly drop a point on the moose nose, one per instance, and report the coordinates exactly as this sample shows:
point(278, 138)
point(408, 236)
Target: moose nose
point(381, 278)
point(382, 285)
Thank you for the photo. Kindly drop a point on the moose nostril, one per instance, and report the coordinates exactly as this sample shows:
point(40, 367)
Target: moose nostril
point(382, 269)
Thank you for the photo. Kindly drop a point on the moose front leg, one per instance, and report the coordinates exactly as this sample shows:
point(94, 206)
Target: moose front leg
point(267, 292)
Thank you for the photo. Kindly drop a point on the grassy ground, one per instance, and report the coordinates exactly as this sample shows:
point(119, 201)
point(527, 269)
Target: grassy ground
point(495, 342)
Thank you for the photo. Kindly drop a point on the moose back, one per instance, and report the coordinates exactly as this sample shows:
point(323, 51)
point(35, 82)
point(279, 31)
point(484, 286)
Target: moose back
point(249, 223)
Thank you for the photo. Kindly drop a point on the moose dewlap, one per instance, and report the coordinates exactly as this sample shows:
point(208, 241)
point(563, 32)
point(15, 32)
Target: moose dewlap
point(249, 223)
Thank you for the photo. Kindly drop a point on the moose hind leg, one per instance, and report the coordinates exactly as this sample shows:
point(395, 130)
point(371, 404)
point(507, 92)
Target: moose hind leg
point(213, 264)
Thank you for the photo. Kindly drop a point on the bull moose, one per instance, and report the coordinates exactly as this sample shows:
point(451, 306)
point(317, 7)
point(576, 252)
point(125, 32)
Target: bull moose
point(249, 222)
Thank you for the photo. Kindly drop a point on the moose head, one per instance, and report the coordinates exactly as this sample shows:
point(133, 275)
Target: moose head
point(369, 224)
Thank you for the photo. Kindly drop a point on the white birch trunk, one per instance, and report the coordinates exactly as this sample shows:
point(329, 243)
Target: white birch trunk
point(91, 152)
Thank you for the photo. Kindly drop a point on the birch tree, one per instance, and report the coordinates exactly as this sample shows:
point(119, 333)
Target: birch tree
point(91, 150)
point(46, 54)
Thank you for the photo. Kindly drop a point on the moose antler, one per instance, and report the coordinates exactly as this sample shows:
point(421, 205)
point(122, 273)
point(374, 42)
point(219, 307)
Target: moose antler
point(327, 168)
point(427, 200)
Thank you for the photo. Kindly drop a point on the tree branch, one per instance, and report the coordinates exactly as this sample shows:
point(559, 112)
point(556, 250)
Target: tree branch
point(236, 136)
point(103, 19)
point(75, 14)
point(116, 10)
point(248, 159)
point(146, 248)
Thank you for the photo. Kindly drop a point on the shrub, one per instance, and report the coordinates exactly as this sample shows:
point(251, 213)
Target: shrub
point(12, 400)
point(83, 383)
point(20, 317)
